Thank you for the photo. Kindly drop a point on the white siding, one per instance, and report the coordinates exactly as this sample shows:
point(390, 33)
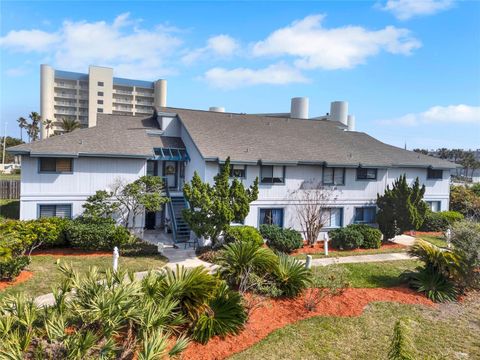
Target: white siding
point(196, 160)
point(89, 175)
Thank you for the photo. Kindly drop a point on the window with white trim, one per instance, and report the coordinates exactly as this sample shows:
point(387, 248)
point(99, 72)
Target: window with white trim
point(57, 210)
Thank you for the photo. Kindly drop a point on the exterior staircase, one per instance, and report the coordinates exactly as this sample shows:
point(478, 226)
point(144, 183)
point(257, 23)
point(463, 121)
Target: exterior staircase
point(180, 229)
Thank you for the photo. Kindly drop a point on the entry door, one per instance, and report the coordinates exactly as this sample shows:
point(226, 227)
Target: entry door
point(170, 173)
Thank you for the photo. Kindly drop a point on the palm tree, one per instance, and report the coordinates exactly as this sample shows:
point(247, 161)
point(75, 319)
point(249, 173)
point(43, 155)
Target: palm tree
point(22, 123)
point(69, 125)
point(48, 125)
point(33, 128)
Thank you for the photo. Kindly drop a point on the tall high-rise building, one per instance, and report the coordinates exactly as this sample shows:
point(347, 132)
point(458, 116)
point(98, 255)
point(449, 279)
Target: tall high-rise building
point(78, 96)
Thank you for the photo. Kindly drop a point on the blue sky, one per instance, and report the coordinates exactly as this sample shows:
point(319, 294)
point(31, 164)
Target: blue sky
point(409, 69)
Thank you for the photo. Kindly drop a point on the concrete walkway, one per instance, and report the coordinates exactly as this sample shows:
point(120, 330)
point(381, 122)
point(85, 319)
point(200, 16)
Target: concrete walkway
point(406, 240)
point(360, 259)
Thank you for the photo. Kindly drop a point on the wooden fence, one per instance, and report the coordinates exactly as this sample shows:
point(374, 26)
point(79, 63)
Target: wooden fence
point(9, 189)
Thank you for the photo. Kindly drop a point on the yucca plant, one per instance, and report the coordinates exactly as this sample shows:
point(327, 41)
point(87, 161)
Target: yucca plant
point(80, 345)
point(191, 287)
point(155, 346)
point(225, 315)
point(291, 275)
point(237, 260)
point(436, 286)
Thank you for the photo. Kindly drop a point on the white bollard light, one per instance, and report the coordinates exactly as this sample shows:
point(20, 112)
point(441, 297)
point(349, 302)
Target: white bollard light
point(308, 262)
point(116, 255)
point(325, 244)
point(160, 248)
point(448, 235)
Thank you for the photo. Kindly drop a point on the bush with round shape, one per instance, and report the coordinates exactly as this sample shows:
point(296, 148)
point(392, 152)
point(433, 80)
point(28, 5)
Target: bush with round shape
point(243, 233)
point(292, 277)
point(440, 221)
point(225, 315)
point(346, 238)
point(96, 235)
point(466, 244)
point(10, 268)
point(372, 237)
point(279, 239)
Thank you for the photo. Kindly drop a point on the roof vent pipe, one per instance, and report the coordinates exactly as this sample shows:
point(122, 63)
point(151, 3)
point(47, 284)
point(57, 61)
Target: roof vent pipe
point(339, 112)
point(299, 108)
point(351, 122)
point(216, 109)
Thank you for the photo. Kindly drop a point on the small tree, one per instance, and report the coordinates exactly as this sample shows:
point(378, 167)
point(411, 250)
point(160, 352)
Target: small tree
point(144, 194)
point(100, 205)
point(313, 202)
point(401, 208)
point(214, 207)
point(401, 346)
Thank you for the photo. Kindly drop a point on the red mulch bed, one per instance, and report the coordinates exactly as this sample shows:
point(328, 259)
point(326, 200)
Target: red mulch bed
point(318, 248)
point(419, 233)
point(275, 314)
point(71, 252)
point(24, 276)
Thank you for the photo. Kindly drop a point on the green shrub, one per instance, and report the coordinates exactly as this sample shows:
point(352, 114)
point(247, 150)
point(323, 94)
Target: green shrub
point(98, 235)
point(10, 209)
point(466, 242)
point(436, 286)
point(225, 315)
point(283, 240)
point(291, 275)
point(440, 221)
point(372, 237)
point(237, 260)
point(11, 268)
point(346, 238)
point(243, 233)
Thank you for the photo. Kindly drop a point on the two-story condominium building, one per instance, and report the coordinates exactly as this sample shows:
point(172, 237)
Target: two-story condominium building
point(60, 172)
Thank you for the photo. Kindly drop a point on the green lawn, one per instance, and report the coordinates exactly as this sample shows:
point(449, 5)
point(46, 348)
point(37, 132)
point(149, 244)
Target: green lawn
point(451, 331)
point(369, 275)
point(46, 274)
point(9, 176)
point(344, 253)
point(435, 240)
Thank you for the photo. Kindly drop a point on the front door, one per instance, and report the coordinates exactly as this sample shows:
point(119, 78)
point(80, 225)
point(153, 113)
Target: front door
point(170, 173)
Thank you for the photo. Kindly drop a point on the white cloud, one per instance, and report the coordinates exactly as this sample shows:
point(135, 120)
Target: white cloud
point(276, 74)
point(219, 45)
point(122, 44)
point(407, 9)
point(29, 40)
point(16, 71)
point(316, 47)
point(452, 114)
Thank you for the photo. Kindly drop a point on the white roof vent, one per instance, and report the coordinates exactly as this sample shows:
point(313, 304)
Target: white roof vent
point(299, 108)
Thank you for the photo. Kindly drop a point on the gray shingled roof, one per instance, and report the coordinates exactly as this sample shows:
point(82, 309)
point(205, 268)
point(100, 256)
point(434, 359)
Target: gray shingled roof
point(114, 135)
point(251, 138)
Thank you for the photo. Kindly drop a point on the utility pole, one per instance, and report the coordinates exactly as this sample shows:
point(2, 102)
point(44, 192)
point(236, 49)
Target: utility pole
point(4, 143)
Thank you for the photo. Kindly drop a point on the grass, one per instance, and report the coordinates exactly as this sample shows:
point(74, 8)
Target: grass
point(370, 275)
point(9, 176)
point(46, 274)
point(9, 209)
point(344, 253)
point(435, 240)
point(451, 331)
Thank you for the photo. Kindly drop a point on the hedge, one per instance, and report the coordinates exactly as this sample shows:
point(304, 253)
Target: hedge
point(346, 238)
point(440, 221)
point(372, 237)
point(11, 268)
point(283, 240)
point(243, 233)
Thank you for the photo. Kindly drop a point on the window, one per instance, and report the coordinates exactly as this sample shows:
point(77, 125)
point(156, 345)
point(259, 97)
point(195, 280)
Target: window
point(60, 210)
point(333, 176)
point(100, 83)
point(332, 217)
point(100, 110)
point(100, 93)
point(236, 171)
point(434, 205)
point(271, 217)
point(366, 174)
point(434, 174)
point(100, 102)
point(365, 215)
point(55, 165)
point(272, 174)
